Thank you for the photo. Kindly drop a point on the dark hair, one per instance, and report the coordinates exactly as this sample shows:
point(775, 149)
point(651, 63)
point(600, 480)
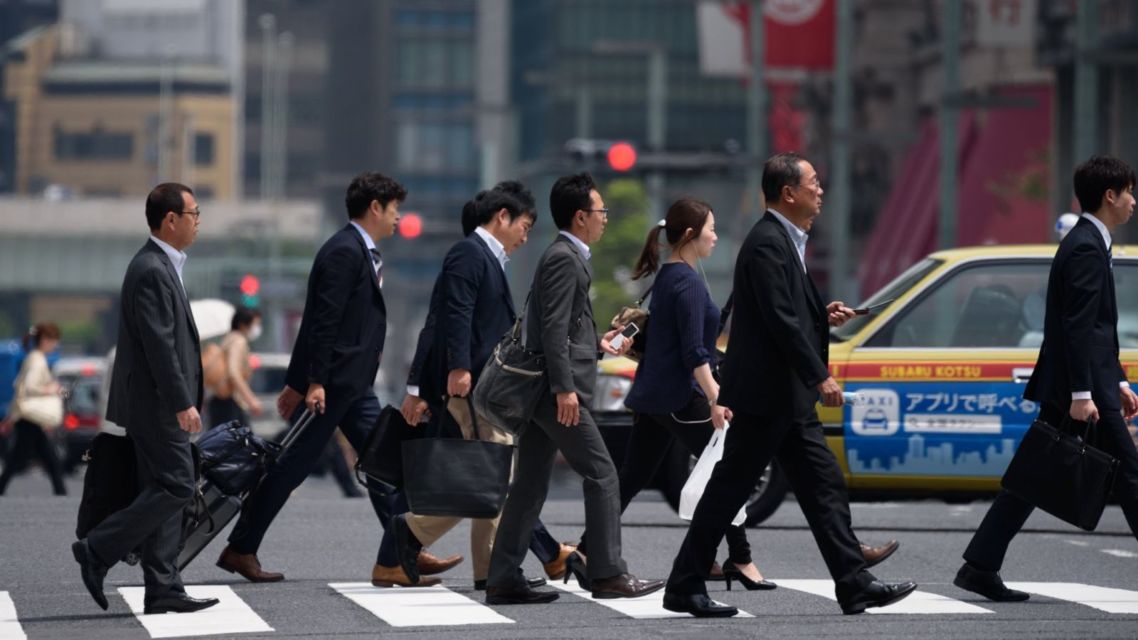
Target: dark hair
point(780, 170)
point(522, 194)
point(470, 215)
point(1098, 175)
point(370, 186)
point(38, 333)
point(163, 199)
point(489, 203)
point(684, 214)
point(243, 317)
point(569, 195)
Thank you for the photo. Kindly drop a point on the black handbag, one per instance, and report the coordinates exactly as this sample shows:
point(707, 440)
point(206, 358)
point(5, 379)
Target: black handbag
point(381, 460)
point(457, 478)
point(511, 382)
point(1062, 474)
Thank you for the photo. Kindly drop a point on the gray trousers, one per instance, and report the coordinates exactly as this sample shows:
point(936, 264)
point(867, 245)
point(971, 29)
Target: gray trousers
point(586, 454)
point(154, 519)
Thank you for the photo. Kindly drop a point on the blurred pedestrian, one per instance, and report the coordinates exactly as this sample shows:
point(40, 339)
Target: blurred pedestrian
point(774, 372)
point(1078, 375)
point(559, 324)
point(156, 393)
point(232, 399)
point(37, 410)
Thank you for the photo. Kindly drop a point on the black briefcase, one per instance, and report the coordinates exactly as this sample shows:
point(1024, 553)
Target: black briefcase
point(1062, 474)
point(110, 482)
point(457, 478)
point(379, 466)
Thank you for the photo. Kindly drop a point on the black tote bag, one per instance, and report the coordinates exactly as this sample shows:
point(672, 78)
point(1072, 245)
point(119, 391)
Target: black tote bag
point(1062, 474)
point(511, 382)
point(381, 460)
point(455, 477)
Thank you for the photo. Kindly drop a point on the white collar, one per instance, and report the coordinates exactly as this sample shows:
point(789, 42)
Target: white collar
point(496, 246)
point(367, 237)
point(1101, 228)
point(176, 257)
point(797, 236)
point(584, 248)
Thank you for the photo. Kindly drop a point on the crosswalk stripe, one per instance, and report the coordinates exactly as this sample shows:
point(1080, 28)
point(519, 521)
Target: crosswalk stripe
point(9, 625)
point(229, 615)
point(647, 607)
point(1120, 553)
point(1102, 598)
point(918, 602)
point(419, 606)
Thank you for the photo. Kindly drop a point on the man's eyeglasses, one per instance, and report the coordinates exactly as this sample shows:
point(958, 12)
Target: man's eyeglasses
point(812, 183)
point(604, 211)
point(196, 213)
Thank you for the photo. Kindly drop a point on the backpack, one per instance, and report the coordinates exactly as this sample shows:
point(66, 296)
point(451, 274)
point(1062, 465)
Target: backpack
point(215, 373)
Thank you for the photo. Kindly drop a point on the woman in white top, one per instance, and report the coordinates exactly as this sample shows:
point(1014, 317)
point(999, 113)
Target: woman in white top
point(36, 409)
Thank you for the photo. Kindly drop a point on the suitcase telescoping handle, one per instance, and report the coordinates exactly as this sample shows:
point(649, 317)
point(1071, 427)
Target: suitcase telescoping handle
point(297, 429)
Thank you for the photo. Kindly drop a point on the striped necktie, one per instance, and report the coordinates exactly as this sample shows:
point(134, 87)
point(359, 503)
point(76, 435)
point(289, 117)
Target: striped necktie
point(377, 262)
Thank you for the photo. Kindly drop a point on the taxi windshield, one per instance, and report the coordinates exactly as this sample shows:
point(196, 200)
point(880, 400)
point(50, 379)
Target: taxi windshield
point(895, 289)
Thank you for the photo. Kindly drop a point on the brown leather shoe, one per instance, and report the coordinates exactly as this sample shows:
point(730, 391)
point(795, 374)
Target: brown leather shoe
point(624, 585)
point(430, 565)
point(247, 565)
point(382, 576)
point(875, 555)
point(555, 568)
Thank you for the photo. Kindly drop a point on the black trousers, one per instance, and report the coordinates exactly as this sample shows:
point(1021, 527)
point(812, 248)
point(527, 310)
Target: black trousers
point(1008, 513)
point(814, 475)
point(652, 435)
point(32, 441)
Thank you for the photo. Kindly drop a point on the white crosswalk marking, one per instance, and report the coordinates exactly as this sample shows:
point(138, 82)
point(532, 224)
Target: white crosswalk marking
point(10, 628)
point(230, 615)
point(1101, 598)
point(1120, 553)
point(419, 606)
point(918, 602)
point(646, 607)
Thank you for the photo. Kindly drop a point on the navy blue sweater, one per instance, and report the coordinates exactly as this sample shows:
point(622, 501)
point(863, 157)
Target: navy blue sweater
point(683, 327)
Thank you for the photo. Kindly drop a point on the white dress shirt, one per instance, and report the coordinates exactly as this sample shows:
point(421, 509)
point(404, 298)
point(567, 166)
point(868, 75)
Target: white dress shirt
point(369, 243)
point(580, 244)
point(1101, 226)
point(797, 236)
point(496, 247)
point(178, 258)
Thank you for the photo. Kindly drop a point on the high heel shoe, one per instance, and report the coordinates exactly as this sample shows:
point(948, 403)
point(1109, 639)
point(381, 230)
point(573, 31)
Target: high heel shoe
point(731, 572)
point(575, 566)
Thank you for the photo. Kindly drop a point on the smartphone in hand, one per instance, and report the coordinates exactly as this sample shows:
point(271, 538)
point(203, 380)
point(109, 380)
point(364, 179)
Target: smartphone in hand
point(873, 308)
point(627, 333)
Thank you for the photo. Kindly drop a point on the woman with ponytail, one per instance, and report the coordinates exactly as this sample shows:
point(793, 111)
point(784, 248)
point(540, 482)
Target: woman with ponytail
point(36, 409)
point(674, 393)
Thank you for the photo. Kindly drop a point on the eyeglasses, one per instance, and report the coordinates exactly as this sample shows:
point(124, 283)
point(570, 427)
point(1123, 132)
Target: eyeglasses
point(814, 183)
point(196, 213)
point(604, 211)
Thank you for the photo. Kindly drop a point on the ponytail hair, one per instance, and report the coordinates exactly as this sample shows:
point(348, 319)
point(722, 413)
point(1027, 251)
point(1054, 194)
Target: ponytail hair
point(684, 214)
point(39, 332)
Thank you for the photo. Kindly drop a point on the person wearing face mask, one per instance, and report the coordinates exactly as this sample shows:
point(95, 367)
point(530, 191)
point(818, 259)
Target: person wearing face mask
point(232, 398)
point(35, 387)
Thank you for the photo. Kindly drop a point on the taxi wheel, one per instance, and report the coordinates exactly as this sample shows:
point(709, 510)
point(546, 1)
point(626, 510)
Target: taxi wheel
point(770, 491)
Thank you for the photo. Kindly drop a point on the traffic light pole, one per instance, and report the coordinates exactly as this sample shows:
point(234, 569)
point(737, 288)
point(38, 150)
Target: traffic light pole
point(657, 126)
point(756, 108)
point(842, 287)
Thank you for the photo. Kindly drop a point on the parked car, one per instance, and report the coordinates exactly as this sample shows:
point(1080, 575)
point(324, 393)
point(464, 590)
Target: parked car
point(940, 371)
point(82, 380)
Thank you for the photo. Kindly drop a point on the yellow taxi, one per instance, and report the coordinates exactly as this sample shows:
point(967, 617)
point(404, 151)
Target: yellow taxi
point(940, 371)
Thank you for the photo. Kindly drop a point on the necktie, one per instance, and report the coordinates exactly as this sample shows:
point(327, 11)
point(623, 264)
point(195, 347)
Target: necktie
point(377, 261)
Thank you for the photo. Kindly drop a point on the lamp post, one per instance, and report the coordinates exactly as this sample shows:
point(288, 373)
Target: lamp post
point(268, 24)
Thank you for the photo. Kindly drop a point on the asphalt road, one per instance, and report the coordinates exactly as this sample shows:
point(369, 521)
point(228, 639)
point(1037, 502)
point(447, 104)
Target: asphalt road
point(321, 539)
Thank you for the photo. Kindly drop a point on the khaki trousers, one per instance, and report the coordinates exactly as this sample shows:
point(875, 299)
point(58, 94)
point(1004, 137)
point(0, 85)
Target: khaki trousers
point(428, 529)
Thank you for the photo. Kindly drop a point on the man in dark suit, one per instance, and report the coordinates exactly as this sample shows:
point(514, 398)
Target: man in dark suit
point(559, 324)
point(155, 393)
point(776, 369)
point(1077, 376)
point(333, 365)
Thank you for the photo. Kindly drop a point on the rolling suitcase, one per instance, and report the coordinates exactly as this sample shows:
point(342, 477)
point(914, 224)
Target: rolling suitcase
point(232, 464)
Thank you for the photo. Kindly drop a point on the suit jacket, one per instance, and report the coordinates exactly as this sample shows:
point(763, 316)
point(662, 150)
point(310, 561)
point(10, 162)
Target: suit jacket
point(1080, 336)
point(471, 309)
point(560, 319)
point(778, 349)
point(158, 362)
point(342, 331)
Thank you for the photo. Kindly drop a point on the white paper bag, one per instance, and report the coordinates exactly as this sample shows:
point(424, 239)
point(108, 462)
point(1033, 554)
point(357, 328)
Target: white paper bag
point(701, 473)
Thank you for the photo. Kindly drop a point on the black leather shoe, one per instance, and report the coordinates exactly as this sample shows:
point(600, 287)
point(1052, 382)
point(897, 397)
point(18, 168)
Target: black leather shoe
point(92, 571)
point(178, 603)
point(520, 595)
point(987, 584)
point(876, 594)
point(699, 605)
point(407, 547)
point(532, 583)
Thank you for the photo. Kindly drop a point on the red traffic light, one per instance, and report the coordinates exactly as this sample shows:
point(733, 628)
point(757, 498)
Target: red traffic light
point(410, 225)
point(250, 284)
point(622, 156)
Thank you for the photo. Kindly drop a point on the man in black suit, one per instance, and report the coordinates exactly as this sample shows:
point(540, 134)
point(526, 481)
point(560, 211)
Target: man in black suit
point(560, 325)
point(1078, 375)
point(155, 393)
point(333, 365)
point(776, 369)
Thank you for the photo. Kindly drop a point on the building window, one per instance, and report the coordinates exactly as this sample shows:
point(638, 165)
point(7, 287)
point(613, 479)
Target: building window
point(436, 147)
point(95, 144)
point(437, 63)
point(203, 149)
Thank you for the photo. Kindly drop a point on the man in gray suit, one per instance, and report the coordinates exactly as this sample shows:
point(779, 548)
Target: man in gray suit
point(156, 392)
point(560, 325)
